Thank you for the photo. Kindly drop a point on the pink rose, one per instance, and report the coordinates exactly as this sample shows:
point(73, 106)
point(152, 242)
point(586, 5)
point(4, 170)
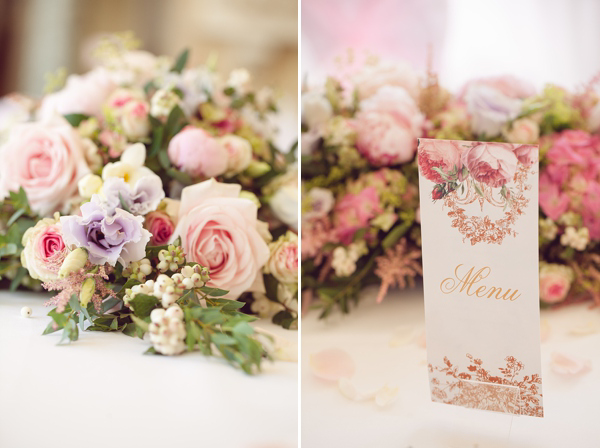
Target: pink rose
point(218, 229)
point(442, 154)
point(161, 227)
point(387, 127)
point(354, 211)
point(526, 154)
point(45, 158)
point(490, 163)
point(195, 152)
point(44, 250)
point(555, 282)
point(82, 94)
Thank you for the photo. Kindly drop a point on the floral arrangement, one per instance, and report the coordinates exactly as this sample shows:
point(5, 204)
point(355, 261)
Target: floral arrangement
point(151, 199)
point(360, 216)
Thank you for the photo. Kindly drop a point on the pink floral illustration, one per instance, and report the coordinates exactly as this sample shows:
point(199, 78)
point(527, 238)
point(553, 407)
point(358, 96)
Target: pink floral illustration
point(491, 163)
point(439, 155)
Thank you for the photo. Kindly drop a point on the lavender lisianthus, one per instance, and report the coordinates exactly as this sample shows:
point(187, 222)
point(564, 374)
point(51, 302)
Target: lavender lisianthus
point(107, 238)
point(140, 199)
point(490, 109)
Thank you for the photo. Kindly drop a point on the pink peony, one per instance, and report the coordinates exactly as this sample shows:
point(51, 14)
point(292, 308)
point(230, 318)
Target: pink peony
point(591, 210)
point(490, 163)
point(555, 282)
point(160, 225)
point(218, 229)
point(442, 154)
point(387, 127)
point(354, 211)
point(196, 152)
point(45, 158)
point(552, 201)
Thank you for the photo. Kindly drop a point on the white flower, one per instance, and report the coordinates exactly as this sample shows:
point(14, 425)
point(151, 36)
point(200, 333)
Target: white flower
point(284, 201)
point(134, 120)
point(316, 109)
point(264, 307)
point(523, 130)
point(163, 102)
point(548, 229)
point(239, 80)
point(287, 294)
point(131, 166)
point(321, 202)
point(577, 239)
point(89, 185)
point(239, 151)
point(167, 330)
point(344, 259)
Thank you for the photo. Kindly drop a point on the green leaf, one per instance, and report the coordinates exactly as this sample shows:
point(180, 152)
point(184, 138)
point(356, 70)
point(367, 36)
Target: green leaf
point(76, 119)
point(181, 61)
point(21, 272)
point(222, 339)
point(109, 303)
point(130, 329)
point(180, 176)
point(16, 215)
point(140, 323)
point(157, 138)
point(8, 249)
point(143, 304)
point(175, 122)
point(163, 159)
point(124, 205)
point(50, 328)
point(243, 328)
point(59, 318)
point(213, 292)
point(151, 351)
point(395, 234)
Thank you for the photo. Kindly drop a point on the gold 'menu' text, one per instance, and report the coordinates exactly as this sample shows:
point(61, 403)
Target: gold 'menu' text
point(468, 282)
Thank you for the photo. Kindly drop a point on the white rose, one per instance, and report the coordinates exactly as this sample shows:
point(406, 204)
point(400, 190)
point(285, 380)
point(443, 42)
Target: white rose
point(523, 130)
point(284, 204)
point(316, 109)
point(240, 154)
point(162, 103)
point(283, 261)
point(89, 185)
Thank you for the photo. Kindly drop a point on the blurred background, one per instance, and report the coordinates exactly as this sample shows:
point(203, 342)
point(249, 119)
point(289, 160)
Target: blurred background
point(540, 41)
point(40, 36)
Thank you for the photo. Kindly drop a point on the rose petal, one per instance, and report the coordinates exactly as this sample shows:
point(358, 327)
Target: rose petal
point(386, 395)
point(332, 364)
point(134, 155)
point(348, 389)
point(584, 329)
point(402, 335)
point(569, 365)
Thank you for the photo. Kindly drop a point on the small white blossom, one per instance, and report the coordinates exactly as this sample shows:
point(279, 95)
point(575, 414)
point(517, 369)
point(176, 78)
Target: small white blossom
point(577, 239)
point(163, 102)
point(167, 330)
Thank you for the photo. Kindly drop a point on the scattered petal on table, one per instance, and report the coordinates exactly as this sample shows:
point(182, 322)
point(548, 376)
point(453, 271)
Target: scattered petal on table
point(279, 348)
point(544, 330)
point(567, 364)
point(402, 335)
point(349, 390)
point(583, 329)
point(332, 364)
point(386, 395)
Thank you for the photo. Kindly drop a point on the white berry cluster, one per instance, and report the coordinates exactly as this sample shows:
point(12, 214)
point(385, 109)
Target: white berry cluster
point(344, 259)
point(167, 330)
point(138, 269)
point(169, 289)
point(170, 259)
point(577, 239)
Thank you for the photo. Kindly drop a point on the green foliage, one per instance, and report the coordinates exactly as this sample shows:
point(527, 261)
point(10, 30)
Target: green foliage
point(76, 119)
point(181, 61)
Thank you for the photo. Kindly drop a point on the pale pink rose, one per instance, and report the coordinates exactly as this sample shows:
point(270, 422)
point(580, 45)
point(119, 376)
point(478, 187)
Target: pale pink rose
point(490, 163)
point(218, 229)
point(44, 249)
point(523, 130)
point(160, 225)
point(354, 212)
point(387, 125)
point(555, 282)
point(45, 158)
point(239, 152)
point(196, 152)
point(283, 262)
point(82, 94)
point(134, 120)
point(442, 154)
point(372, 77)
point(526, 154)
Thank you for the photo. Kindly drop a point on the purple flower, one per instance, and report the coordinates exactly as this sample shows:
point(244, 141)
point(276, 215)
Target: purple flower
point(140, 199)
point(108, 239)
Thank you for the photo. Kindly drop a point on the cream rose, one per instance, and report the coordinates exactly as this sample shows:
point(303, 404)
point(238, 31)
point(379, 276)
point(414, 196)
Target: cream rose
point(218, 229)
point(490, 163)
point(240, 154)
point(283, 262)
point(46, 159)
point(523, 130)
point(44, 249)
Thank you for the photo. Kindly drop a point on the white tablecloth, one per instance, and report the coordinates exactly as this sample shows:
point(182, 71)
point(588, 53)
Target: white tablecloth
point(572, 405)
point(102, 392)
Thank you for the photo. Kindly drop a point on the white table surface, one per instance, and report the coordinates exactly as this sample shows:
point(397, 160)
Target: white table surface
point(102, 392)
point(571, 405)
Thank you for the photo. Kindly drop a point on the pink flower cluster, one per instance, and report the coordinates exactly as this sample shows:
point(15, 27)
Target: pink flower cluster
point(354, 211)
point(571, 181)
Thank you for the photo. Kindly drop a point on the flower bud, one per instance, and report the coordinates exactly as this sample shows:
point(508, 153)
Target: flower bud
point(89, 185)
point(87, 291)
point(257, 169)
point(73, 262)
point(251, 196)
